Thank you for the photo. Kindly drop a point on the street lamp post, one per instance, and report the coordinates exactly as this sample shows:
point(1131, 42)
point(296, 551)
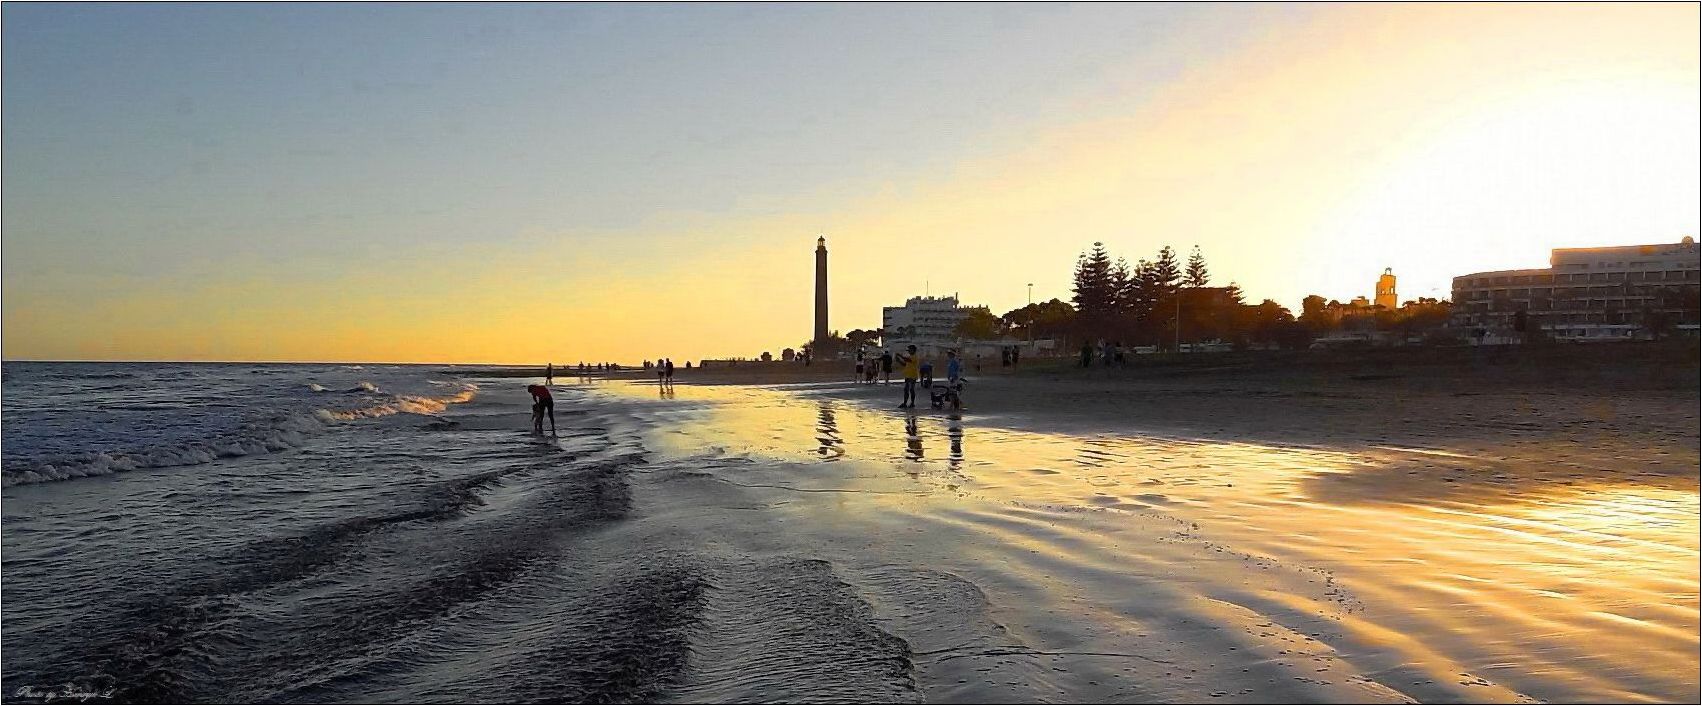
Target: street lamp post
point(1178, 321)
point(1031, 316)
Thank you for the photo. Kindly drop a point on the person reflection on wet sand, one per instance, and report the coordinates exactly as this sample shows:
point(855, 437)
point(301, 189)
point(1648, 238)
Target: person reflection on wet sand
point(827, 432)
point(954, 432)
point(912, 440)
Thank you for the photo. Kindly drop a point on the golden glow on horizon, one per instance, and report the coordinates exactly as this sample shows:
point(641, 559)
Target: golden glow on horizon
point(1437, 140)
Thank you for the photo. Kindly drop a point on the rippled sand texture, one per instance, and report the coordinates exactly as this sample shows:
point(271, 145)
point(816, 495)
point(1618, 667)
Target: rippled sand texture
point(1096, 566)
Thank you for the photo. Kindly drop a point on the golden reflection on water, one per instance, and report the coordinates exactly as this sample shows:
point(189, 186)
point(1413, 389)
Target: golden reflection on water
point(1589, 586)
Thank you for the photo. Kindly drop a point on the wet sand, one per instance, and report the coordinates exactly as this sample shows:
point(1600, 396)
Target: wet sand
point(1235, 538)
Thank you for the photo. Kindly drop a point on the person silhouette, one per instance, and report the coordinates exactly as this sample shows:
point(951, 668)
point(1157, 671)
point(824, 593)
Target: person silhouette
point(542, 403)
point(912, 370)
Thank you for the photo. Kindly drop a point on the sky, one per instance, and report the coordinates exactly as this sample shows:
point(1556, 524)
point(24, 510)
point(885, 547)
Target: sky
point(561, 182)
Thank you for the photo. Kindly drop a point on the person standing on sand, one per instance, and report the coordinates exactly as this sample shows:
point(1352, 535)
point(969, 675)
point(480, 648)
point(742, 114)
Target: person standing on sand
point(669, 364)
point(886, 367)
point(541, 403)
point(549, 373)
point(912, 370)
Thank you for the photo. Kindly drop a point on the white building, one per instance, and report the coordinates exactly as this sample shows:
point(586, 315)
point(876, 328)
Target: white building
point(929, 323)
point(1589, 294)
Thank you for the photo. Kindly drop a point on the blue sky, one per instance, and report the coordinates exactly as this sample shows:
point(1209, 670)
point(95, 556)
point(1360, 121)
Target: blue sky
point(361, 174)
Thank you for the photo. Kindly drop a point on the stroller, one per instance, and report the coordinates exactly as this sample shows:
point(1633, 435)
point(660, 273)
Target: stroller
point(950, 393)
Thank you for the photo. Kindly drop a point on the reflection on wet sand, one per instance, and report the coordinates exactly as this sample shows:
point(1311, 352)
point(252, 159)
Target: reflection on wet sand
point(1261, 572)
point(912, 439)
point(954, 432)
point(827, 433)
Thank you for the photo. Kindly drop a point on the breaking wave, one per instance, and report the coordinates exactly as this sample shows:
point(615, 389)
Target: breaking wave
point(316, 387)
point(283, 432)
point(402, 404)
point(279, 434)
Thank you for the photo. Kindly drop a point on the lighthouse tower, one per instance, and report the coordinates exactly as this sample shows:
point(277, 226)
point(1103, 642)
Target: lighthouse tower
point(821, 292)
point(1386, 290)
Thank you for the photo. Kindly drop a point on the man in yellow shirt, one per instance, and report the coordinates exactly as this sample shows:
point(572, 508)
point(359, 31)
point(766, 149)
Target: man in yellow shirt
point(912, 369)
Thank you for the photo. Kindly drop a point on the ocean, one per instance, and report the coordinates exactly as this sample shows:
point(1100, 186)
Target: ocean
point(291, 533)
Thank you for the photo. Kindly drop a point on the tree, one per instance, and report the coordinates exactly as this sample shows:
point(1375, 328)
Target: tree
point(980, 324)
point(1196, 276)
point(1049, 319)
point(861, 337)
point(1165, 271)
point(1142, 293)
point(1095, 295)
point(1657, 324)
point(1121, 283)
point(1314, 313)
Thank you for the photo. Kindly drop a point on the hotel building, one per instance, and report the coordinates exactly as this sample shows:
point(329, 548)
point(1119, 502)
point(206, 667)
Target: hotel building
point(928, 322)
point(1587, 294)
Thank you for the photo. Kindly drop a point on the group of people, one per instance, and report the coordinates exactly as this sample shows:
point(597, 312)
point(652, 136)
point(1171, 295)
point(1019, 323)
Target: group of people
point(597, 367)
point(916, 370)
point(664, 368)
point(1108, 352)
point(869, 367)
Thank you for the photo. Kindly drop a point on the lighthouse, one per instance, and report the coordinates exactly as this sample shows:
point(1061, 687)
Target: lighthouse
point(821, 292)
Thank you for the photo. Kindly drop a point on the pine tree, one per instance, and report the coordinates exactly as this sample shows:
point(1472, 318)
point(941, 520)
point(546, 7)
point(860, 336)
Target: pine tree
point(1196, 269)
point(1095, 294)
point(1143, 289)
point(1166, 274)
point(1122, 282)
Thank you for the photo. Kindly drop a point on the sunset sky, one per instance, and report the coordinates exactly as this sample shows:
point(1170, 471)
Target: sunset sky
point(521, 183)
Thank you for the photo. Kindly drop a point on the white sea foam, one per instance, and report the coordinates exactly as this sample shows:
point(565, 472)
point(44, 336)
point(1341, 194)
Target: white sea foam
point(316, 387)
point(285, 433)
point(289, 432)
point(402, 404)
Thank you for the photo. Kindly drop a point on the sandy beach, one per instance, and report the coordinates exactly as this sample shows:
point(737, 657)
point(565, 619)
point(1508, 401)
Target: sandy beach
point(1408, 527)
point(1477, 530)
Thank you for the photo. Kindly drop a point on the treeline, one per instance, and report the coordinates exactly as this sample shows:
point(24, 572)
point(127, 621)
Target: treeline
point(1163, 302)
